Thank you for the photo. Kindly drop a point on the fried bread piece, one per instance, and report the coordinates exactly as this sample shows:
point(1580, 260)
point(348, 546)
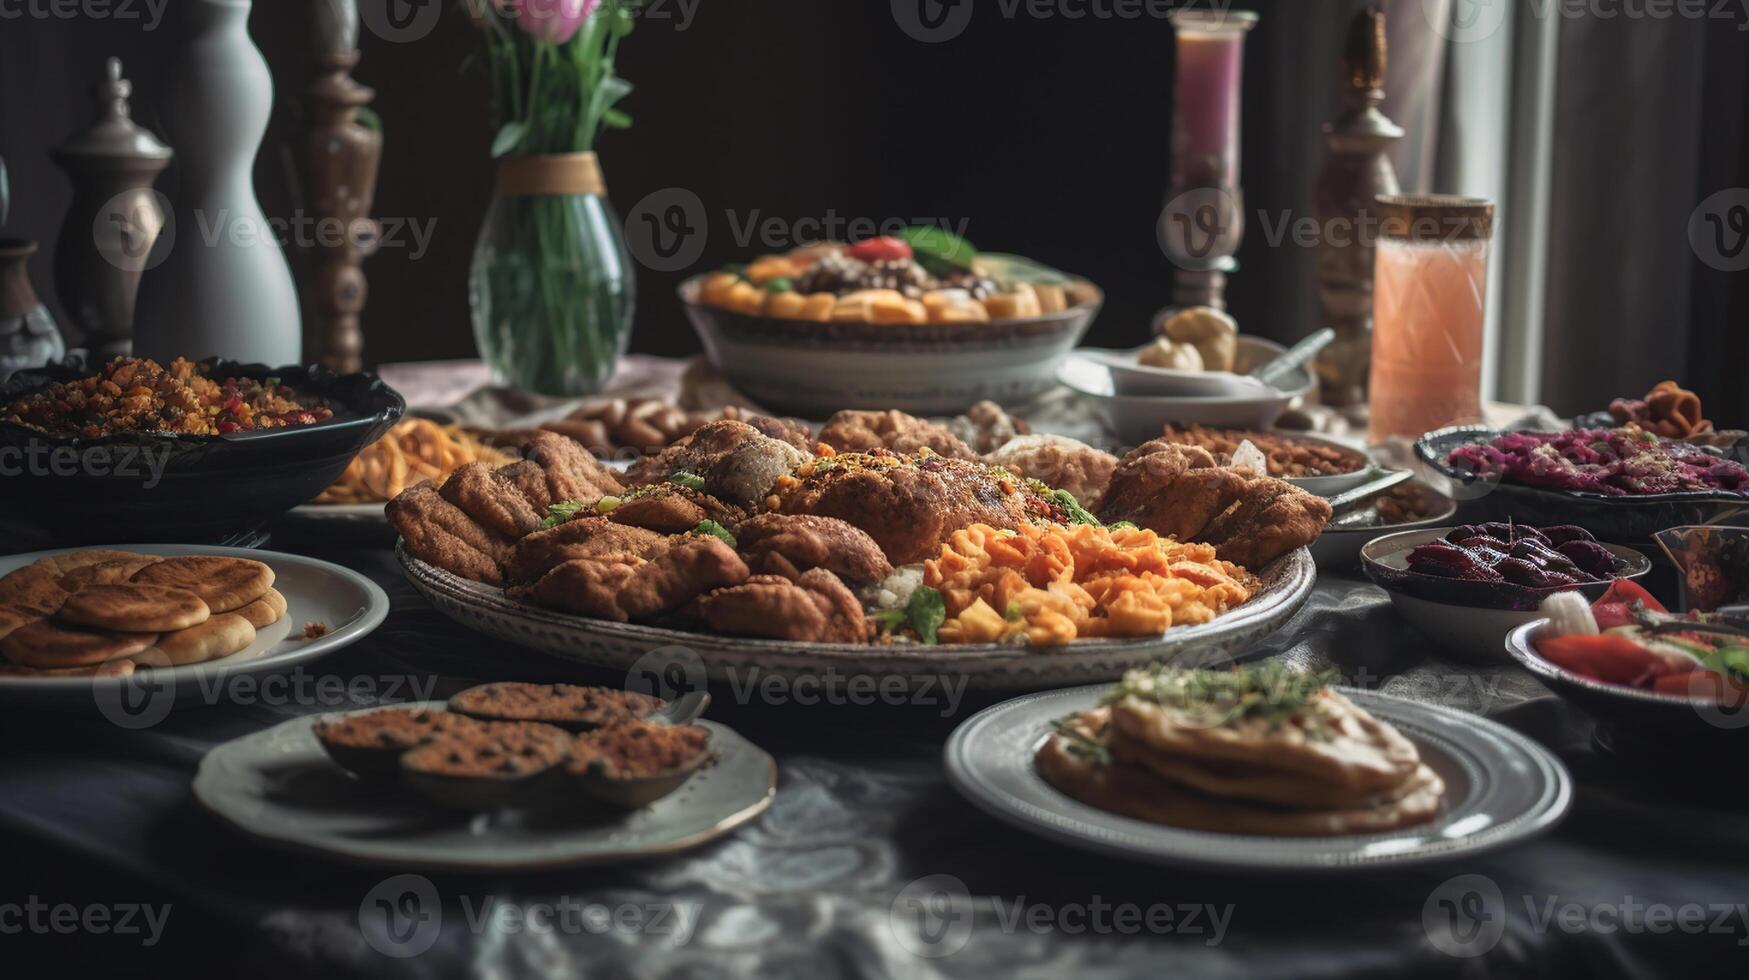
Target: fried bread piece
point(1170, 489)
point(35, 587)
point(223, 583)
point(1272, 518)
point(1060, 463)
point(737, 462)
point(622, 587)
point(670, 508)
point(131, 606)
point(497, 504)
point(528, 478)
point(438, 532)
point(790, 544)
point(908, 504)
point(584, 537)
point(858, 432)
point(814, 608)
point(572, 472)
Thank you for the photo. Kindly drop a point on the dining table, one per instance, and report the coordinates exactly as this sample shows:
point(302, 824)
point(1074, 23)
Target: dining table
point(867, 863)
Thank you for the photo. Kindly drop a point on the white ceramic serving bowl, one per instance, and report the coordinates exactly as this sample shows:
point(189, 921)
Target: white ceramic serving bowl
point(813, 369)
point(1137, 418)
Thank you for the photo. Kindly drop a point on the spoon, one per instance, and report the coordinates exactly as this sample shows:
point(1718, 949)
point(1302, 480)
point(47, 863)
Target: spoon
point(1350, 499)
point(683, 710)
point(1273, 371)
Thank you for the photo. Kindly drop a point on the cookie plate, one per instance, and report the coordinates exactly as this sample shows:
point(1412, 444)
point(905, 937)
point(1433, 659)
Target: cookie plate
point(1501, 788)
point(315, 591)
point(279, 787)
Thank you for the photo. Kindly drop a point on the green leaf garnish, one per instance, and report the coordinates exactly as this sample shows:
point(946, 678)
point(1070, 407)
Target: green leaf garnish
point(940, 251)
point(561, 512)
point(888, 620)
point(779, 285)
point(714, 530)
point(1269, 692)
point(691, 481)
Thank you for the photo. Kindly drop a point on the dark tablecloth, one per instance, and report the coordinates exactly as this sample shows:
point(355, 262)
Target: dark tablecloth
point(93, 816)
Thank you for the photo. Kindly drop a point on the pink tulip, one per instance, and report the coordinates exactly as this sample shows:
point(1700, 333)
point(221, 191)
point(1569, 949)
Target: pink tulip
point(554, 21)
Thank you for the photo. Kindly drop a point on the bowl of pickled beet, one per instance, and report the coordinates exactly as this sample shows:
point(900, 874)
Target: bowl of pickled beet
point(1468, 586)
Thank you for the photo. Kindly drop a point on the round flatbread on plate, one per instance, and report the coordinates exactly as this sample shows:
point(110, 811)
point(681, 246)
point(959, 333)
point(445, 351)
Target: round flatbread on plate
point(1501, 788)
point(350, 605)
point(279, 786)
point(1286, 583)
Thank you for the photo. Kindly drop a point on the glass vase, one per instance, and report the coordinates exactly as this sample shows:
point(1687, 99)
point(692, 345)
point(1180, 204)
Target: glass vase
point(551, 286)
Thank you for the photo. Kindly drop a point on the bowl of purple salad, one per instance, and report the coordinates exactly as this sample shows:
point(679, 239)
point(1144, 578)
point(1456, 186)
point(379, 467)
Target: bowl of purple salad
point(1468, 586)
point(1622, 484)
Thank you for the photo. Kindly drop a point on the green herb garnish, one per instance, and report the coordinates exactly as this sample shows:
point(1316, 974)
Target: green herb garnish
point(926, 611)
point(888, 620)
point(779, 285)
point(715, 530)
point(1077, 743)
point(561, 512)
point(938, 250)
point(1066, 500)
point(691, 481)
point(1269, 692)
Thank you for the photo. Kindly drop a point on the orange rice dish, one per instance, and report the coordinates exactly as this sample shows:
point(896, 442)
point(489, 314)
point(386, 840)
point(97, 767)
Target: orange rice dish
point(1048, 585)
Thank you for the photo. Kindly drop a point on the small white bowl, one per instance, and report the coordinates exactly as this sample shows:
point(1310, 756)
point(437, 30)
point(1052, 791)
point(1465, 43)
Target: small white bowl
point(1138, 418)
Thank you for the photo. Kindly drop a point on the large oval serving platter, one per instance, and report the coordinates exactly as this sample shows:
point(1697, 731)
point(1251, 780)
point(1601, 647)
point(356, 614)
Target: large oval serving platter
point(1501, 788)
point(484, 608)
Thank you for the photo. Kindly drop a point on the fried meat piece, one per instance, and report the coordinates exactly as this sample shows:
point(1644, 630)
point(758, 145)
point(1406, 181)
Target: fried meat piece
point(815, 608)
point(672, 509)
point(908, 504)
point(858, 432)
point(438, 532)
point(623, 586)
point(585, 537)
point(737, 462)
point(796, 434)
point(791, 544)
point(1273, 518)
point(986, 427)
point(573, 473)
point(1173, 490)
point(527, 477)
point(494, 502)
point(1059, 463)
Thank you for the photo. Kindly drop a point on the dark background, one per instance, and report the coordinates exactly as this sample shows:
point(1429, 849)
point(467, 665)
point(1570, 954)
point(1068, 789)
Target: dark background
point(1047, 137)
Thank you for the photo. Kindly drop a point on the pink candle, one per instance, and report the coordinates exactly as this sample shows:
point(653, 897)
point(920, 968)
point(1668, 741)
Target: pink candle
point(1206, 93)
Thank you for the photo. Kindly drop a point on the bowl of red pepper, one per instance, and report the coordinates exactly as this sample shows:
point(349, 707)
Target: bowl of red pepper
point(1646, 675)
point(198, 453)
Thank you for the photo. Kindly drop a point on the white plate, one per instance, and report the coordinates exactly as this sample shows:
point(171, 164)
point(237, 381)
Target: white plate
point(1501, 788)
point(315, 591)
point(1286, 583)
point(1137, 418)
point(279, 787)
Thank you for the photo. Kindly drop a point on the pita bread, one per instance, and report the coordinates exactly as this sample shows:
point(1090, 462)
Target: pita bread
point(33, 587)
point(1253, 783)
point(134, 608)
point(219, 636)
point(104, 572)
point(50, 645)
point(1136, 792)
point(12, 617)
point(63, 563)
point(109, 668)
point(1350, 749)
point(224, 584)
point(265, 611)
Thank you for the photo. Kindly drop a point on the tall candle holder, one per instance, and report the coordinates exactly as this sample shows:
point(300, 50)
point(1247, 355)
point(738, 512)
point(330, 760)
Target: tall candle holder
point(1204, 219)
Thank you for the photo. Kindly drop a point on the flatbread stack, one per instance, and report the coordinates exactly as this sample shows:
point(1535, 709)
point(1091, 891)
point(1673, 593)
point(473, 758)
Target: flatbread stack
point(1262, 751)
point(104, 613)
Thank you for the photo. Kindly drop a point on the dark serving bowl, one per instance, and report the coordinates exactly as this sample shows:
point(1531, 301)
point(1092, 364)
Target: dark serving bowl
point(813, 369)
point(1638, 723)
point(1626, 518)
point(57, 490)
point(1468, 619)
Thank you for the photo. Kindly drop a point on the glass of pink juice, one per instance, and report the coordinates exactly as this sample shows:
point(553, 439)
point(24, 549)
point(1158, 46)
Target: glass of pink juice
point(1430, 278)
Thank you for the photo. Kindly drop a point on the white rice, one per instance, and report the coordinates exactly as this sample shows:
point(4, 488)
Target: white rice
point(894, 591)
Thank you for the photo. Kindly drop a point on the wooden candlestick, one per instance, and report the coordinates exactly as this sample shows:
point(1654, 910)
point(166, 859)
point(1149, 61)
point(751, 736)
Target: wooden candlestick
point(339, 158)
point(1355, 173)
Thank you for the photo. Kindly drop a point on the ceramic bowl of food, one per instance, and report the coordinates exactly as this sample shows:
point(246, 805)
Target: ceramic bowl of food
point(812, 369)
point(1138, 418)
point(1313, 463)
point(79, 482)
point(1412, 507)
point(1468, 619)
point(1708, 719)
